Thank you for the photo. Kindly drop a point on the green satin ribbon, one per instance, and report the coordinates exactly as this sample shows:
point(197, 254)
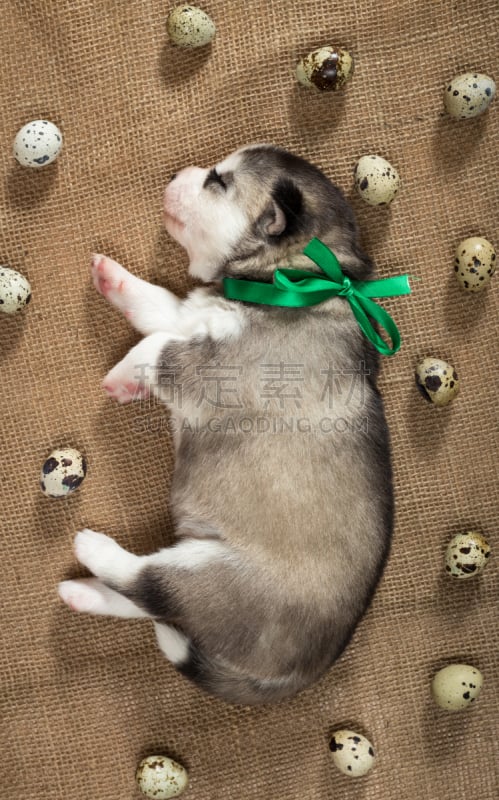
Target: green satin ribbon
point(296, 288)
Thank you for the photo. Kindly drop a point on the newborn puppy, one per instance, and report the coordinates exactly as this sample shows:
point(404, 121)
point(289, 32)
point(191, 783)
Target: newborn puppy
point(282, 491)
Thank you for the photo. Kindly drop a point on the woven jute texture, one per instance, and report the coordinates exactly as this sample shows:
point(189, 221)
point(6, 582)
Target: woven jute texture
point(84, 699)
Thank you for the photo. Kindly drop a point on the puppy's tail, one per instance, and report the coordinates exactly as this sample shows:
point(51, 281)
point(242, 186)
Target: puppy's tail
point(221, 679)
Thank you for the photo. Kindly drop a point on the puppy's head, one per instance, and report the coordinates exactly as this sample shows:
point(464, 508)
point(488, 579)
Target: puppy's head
point(255, 209)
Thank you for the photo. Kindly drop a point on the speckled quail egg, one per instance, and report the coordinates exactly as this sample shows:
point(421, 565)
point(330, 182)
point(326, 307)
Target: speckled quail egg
point(457, 686)
point(326, 69)
point(62, 472)
point(376, 180)
point(469, 95)
point(15, 291)
point(474, 263)
point(38, 143)
point(437, 381)
point(467, 554)
point(161, 777)
point(352, 753)
point(188, 26)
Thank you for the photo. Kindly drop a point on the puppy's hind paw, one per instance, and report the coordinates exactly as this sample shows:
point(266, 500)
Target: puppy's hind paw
point(80, 595)
point(95, 550)
point(104, 557)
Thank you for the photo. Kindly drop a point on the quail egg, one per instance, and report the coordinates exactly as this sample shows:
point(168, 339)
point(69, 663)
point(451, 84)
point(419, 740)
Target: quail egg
point(474, 263)
point(15, 291)
point(62, 472)
point(469, 95)
point(376, 180)
point(326, 69)
point(437, 381)
point(188, 26)
point(37, 144)
point(457, 686)
point(160, 777)
point(467, 555)
point(352, 753)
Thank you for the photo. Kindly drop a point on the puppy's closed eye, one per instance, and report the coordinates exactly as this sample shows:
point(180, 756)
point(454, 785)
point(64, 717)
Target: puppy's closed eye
point(214, 177)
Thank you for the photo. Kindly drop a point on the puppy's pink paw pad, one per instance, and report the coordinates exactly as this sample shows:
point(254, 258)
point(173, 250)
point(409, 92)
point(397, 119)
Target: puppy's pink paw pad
point(78, 596)
point(125, 392)
point(108, 278)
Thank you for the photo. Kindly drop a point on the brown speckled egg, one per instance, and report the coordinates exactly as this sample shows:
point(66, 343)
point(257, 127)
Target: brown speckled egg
point(352, 753)
point(456, 687)
point(437, 381)
point(189, 26)
point(326, 69)
point(474, 263)
point(469, 95)
point(15, 291)
point(467, 554)
point(160, 777)
point(376, 180)
point(62, 472)
point(37, 144)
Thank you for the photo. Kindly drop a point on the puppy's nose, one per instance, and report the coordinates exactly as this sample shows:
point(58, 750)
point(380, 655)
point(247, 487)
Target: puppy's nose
point(172, 177)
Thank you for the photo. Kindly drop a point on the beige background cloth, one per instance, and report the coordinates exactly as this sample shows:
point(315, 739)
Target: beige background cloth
point(84, 699)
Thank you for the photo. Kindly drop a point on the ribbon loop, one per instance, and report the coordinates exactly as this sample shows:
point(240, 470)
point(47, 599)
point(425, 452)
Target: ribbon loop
point(295, 288)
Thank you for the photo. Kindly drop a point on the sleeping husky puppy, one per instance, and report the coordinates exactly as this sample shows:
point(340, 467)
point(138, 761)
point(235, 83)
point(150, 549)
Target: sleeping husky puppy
point(282, 491)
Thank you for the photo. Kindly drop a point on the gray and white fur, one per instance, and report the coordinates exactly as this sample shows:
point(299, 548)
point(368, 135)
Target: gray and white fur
point(281, 533)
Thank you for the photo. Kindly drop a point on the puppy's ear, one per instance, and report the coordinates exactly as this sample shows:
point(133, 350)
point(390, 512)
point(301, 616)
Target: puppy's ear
point(284, 214)
point(275, 220)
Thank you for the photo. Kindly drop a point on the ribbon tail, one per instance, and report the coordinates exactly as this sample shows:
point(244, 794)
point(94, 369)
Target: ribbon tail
point(384, 287)
point(362, 307)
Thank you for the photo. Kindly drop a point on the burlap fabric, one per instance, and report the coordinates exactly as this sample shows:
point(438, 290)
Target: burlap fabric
point(84, 699)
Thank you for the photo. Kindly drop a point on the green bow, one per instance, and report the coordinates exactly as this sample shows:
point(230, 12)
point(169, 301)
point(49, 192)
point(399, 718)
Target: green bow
point(297, 287)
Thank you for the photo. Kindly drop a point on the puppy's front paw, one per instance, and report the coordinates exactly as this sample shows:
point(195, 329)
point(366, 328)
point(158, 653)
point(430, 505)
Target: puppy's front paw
point(113, 282)
point(124, 391)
